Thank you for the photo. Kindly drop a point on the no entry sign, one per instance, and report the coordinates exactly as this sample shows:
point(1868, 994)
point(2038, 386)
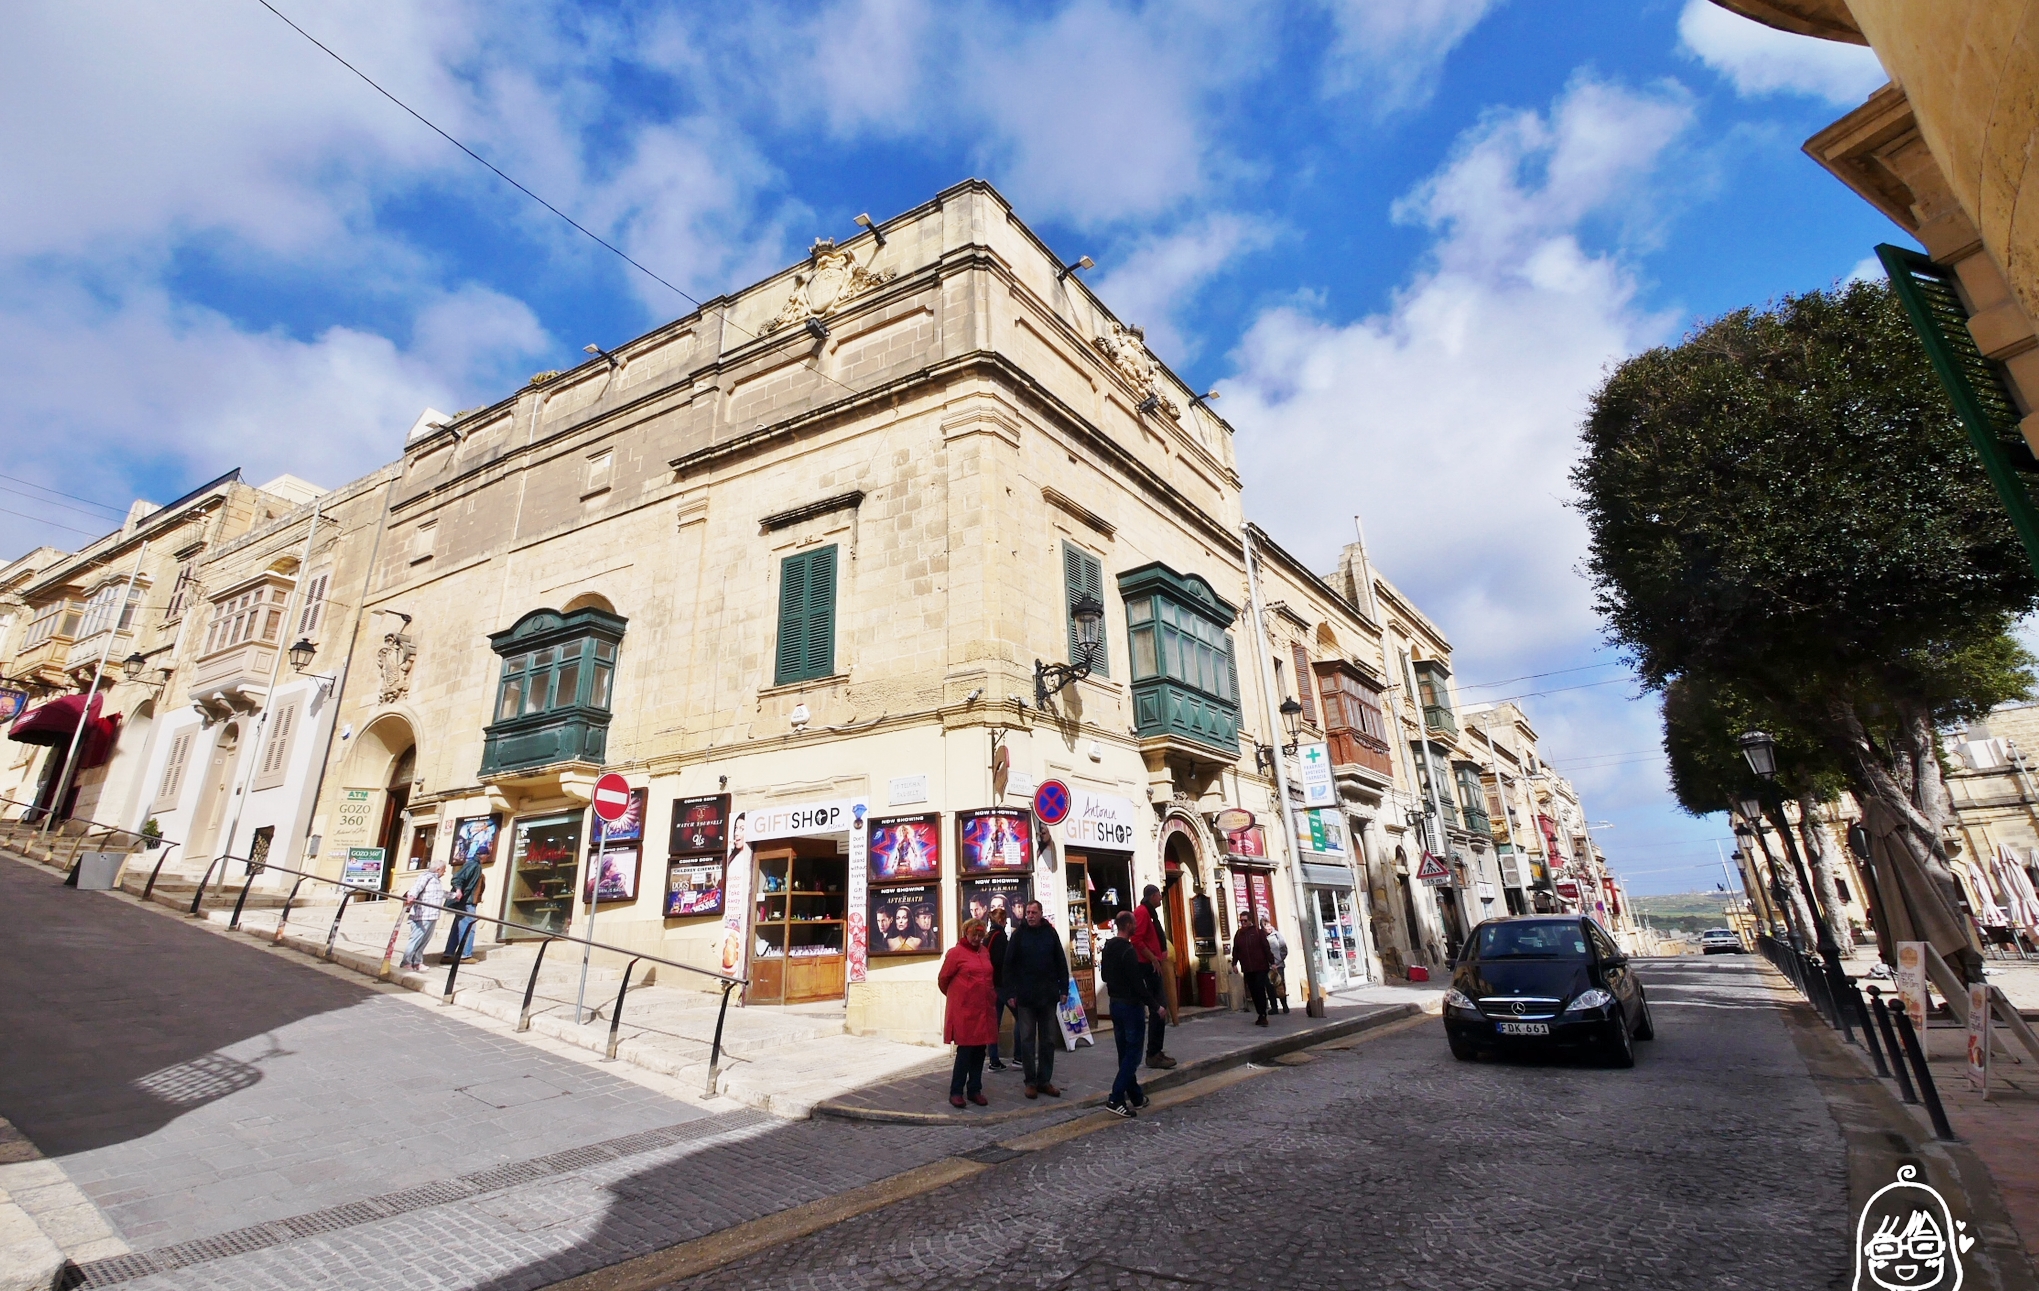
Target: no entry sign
point(612, 797)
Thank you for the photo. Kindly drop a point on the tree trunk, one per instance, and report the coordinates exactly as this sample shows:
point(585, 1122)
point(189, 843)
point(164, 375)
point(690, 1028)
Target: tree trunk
point(1821, 862)
point(1908, 789)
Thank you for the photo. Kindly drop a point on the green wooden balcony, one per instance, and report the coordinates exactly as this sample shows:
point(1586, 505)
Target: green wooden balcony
point(1437, 717)
point(540, 739)
point(1161, 707)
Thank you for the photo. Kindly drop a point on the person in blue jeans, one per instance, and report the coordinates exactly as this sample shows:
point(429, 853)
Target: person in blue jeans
point(464, 897)
point(1132, 992)
point(994, 943)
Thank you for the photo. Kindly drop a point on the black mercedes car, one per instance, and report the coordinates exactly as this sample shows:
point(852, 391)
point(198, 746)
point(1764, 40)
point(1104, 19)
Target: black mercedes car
point(1540, 980)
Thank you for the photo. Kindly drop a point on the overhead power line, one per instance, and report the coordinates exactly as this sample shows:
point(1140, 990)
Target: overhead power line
point(1532, 676)
point(89, 533)
point(108, 506)
point(503, 175)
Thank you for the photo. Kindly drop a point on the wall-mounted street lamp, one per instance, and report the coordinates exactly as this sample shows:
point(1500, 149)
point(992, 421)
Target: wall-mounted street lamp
point(817, 329)
point(1088, 612)
point(1292, 721)
point(1150, 403)
point(864, 221)
point(596, 349)
point(301, 658)
point(136, 664)
point(1204, 398)
point(1081, 262)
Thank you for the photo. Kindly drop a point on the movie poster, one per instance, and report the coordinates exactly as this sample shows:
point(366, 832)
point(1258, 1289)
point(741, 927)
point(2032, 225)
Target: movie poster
point(474, 837)
point(996, 839)
point(906, 919)
point(611, 877)
point(629, 827)
point(700, 825)
point(693, 887)
point(905, 847)
point(980, 896)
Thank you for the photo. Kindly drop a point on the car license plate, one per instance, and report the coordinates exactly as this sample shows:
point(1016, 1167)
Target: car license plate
point(1523, 1028)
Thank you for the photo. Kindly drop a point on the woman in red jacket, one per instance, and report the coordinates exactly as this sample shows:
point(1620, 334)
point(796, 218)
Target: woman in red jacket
point(970, 1022)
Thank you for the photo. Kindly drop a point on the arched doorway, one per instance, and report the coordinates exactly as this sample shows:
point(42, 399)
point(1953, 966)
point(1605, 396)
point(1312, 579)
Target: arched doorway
point(385, 762)
point(216, 797)
point(1182, 880)
point(122, 801)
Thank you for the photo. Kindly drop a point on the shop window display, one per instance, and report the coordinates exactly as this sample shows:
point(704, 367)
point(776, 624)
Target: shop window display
point(544, 858)
point(798, 937)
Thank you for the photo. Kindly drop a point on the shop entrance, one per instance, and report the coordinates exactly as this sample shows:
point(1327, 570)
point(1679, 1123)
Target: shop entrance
point(1338, 931)
point(1100, 884)
point(1179, 865)
point(798, 938)
point(544, 863)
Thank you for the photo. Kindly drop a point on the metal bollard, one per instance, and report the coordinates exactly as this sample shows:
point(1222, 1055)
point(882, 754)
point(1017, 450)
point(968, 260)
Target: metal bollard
point(284, 917)
point(531, 986)
point(715, 1051)
point(616, 1014)
point(334, 931)
point(241, 901)
point(206, 878)
point(1916, 1051)
point(1868, 1030)
point(1904, 1080)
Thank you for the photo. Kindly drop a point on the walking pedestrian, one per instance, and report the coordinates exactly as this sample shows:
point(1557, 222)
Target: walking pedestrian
point(970, 1016)
point(1150, 940)
point(1130, 983)
point(1278, 973)
point(1036, 977)
point(465, 895)
point(421, 906)
point(1250, 953)
point(994, 945)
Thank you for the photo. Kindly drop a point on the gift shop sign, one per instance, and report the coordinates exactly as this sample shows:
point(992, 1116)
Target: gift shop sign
point(1100, 820)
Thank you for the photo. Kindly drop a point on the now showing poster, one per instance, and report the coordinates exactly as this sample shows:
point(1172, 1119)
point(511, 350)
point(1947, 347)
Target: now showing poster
point(995, 839)
point(906, 919)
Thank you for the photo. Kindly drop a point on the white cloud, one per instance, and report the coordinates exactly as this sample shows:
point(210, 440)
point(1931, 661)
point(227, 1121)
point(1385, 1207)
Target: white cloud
point(1449, 421)
point(1154, 282)
point(146, 386)
point(1392, 50)
point(1762, 60)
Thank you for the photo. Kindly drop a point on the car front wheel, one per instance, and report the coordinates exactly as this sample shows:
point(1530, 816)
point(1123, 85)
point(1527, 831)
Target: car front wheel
point(1463, 1050)
point(1620, 1049)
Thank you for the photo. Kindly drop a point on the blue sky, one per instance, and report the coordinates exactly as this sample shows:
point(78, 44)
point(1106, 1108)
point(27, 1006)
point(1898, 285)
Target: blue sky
point(1404, 238)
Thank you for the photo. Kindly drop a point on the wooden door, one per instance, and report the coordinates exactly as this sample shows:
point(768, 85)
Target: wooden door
point(218, 796)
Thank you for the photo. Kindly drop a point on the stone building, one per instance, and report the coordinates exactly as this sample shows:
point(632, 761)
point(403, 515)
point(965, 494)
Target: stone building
point(121, 606)
point(792, 565)
point(236, 761)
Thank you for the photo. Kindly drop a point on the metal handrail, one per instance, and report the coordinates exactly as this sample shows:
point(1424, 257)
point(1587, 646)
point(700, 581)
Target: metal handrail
point(350, 890)
point(90, 825)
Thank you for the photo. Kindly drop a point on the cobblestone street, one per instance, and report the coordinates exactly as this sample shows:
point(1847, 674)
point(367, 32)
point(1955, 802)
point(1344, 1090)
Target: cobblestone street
point(1373, 1161)
point(1712, 1164)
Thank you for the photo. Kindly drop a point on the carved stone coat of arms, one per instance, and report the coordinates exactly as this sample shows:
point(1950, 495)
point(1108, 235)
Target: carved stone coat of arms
point(1126, 347)
point(831, 277)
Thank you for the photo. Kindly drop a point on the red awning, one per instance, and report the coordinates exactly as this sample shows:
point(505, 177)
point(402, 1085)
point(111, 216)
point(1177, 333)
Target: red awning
point(55, 722)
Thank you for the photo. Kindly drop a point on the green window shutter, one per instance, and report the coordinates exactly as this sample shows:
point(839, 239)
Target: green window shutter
point(1973, 383)
point(820, 660)
point(806, 646)
point(1231, 670)
point(1083, 572)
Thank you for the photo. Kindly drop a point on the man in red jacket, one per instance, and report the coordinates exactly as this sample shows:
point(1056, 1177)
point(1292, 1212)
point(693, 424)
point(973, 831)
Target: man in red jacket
point(1250, 953)
point(1151, 941)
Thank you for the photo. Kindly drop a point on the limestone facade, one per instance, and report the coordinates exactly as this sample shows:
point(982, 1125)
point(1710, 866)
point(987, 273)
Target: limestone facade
point(793, 566)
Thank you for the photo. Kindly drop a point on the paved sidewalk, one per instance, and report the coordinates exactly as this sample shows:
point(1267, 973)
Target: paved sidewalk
point(1206, 1042)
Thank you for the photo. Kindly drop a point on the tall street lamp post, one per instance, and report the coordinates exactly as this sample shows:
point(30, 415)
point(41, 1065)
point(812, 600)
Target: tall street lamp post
point(1761, 752)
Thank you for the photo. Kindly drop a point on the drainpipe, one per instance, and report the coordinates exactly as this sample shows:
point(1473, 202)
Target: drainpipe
point(1429, 771)
point(1313, 999)
point(98, 671)
point(346, 669)
point(290, 607)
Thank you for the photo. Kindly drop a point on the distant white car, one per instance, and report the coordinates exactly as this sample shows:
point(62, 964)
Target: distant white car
point(1721, 941)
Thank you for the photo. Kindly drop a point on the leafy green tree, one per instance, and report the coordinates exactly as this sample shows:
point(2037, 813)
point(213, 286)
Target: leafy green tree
point(1702, 724)
point(1785, 505)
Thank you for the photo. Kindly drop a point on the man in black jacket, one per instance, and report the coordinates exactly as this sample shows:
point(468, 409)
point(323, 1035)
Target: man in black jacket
point(1132, 991)
point(994, 945)
point(1036, 978)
